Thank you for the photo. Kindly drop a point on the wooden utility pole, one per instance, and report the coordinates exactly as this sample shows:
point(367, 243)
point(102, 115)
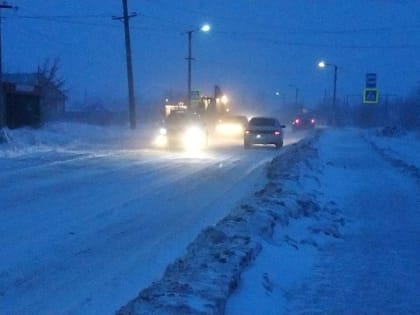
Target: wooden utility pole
point(131, 103)
point(3, 5)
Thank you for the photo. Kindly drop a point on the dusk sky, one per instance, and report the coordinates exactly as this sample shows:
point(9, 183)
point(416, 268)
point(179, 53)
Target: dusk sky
point(254, 48)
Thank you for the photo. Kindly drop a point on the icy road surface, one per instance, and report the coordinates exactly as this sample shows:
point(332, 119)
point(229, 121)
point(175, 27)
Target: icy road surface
point(88, 219)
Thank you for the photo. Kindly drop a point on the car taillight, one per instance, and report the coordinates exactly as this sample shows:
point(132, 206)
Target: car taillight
point(277, 132)
point(297, 121)
point(312, 121)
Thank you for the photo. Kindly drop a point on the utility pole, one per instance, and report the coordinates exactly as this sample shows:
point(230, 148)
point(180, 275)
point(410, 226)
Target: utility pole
point(189, 58)
point(335, 97)
point(296, 94)
point(131, 103)
point(205, 28)
point(3, 5)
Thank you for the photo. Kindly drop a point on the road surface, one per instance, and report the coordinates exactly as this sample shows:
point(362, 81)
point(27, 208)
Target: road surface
point(84, 229)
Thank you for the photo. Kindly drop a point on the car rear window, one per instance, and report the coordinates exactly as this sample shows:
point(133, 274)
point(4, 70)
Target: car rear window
point(262, 122)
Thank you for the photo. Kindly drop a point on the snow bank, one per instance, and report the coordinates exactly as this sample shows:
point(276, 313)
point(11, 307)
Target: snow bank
point(390, 131)
point(201, 281)
point(399, 147)
point(71, 136)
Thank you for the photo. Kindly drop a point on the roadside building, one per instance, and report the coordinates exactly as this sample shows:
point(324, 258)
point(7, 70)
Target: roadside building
point(24, 88)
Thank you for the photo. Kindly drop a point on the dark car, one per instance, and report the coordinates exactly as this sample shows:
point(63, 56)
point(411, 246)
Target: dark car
point(303, 122)
point(263, 130)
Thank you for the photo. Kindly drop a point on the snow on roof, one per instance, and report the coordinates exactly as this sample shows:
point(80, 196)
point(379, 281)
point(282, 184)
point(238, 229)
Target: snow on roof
point(22, 78)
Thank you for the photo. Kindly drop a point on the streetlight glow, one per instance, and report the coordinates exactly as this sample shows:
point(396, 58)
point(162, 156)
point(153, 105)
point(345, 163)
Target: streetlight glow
point(321, 64)
point(205, 28)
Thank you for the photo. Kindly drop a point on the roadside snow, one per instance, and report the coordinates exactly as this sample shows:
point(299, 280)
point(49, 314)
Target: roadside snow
point(332, 232)
point(73, 136)
point(370, 265)
point(201, 281)
point(399, 147)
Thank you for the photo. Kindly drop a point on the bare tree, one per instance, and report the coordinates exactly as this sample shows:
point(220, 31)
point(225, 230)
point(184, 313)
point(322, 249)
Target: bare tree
point(48, 75)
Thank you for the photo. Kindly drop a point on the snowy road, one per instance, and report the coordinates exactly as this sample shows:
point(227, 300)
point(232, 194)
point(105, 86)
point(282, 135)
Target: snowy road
point(85, 227)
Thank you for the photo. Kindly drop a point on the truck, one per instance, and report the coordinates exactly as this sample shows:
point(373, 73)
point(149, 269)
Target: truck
point(206, 115)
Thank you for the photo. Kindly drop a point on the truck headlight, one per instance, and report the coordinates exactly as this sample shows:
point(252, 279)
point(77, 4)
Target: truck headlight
point(229, 129)
point(161, 141)
point(195, 138)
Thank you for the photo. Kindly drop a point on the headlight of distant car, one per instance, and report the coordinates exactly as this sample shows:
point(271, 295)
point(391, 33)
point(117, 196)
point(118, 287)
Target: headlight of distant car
point(195, 138)
point(161, 140)
point(229, 129)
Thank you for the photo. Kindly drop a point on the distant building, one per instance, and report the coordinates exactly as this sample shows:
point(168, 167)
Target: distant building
point(22, 105)
point(52, 100)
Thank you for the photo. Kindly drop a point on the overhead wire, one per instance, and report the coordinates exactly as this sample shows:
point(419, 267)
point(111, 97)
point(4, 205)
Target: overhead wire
point(281, 29)
point(166, 26)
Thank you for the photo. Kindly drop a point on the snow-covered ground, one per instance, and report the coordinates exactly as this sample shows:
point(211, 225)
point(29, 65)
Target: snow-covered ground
point(334, 231)
point(328, 225)
point(91, 215)
point(358, 253)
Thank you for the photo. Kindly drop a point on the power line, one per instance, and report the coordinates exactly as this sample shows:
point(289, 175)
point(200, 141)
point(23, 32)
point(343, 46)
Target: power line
point(171, 22)
point(281, 27)
point(256, 36)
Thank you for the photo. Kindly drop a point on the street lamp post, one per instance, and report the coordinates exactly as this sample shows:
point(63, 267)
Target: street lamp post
point(278, 93)
point(189, 58)
point(323, 64)
point(296, 93)
point(204, 28)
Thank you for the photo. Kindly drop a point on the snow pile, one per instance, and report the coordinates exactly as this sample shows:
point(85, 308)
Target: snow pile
point(4, 137)
point(309, 222)
point(72, 136)
point(201, 281)
point(398, 147)
point(390, 131)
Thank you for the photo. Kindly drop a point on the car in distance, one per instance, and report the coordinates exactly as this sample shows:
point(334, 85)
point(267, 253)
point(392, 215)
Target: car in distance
point(263, 130)
point(301, 122)
point(231, 126)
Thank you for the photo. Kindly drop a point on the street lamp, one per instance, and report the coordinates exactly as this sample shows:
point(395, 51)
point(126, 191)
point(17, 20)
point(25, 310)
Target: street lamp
point(205, 28)
point(323, 64)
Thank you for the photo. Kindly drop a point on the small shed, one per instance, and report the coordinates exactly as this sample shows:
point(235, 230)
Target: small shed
point(52, 100)
point(22, 104)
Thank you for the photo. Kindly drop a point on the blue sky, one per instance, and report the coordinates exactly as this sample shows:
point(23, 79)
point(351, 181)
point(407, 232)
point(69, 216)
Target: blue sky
point(254, 49)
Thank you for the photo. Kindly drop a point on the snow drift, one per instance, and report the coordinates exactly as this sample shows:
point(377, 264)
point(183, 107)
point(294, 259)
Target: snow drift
point(201, 281)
